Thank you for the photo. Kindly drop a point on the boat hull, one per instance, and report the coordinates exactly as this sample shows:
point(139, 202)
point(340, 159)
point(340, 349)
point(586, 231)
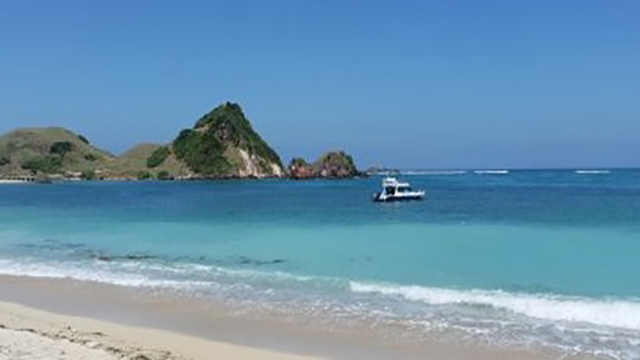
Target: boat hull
point(379, 198)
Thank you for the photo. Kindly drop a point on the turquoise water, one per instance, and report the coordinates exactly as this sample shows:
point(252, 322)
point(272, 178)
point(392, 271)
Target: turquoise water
point(542, 258)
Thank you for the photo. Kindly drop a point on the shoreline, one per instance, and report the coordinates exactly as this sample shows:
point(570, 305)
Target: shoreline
point(188, 324)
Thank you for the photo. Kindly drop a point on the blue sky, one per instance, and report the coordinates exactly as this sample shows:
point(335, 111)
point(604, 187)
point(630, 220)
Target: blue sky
point(414, 84)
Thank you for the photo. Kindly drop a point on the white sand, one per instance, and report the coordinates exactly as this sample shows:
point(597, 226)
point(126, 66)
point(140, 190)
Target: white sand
point(29, 334)
point(17, 345)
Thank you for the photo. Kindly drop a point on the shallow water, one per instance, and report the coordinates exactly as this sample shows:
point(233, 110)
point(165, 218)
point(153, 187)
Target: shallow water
point(532, 258)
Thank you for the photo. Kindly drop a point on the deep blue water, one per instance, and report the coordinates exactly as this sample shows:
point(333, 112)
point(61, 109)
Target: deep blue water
point(528, 257)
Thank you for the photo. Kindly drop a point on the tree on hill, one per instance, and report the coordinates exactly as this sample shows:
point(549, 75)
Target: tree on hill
point(61, 148)
point(83, 139)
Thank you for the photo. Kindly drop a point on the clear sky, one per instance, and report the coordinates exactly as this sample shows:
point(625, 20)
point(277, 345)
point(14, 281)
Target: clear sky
point(413, 84)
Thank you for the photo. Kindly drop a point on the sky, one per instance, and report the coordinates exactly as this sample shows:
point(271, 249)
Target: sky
point(408, 84)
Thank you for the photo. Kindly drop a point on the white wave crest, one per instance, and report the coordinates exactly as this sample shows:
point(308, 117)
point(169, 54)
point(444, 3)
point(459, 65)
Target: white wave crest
point(433, 172)
point(106, 276)
point(491, 172)
point(614, 313)
point(592, 172)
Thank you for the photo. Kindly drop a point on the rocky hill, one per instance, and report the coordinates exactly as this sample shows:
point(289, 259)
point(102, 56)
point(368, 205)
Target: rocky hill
point(33, 151)
point(222, 144)
point(332, 165)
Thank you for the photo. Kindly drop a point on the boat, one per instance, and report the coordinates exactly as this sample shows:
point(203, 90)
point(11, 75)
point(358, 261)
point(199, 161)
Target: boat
point(394, 190)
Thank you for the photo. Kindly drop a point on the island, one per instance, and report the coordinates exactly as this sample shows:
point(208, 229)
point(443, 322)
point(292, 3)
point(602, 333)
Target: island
point(221, 145)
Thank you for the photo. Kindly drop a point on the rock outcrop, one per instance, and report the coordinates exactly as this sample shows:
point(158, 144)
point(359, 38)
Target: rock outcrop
point(332, 165)
point(299, 169)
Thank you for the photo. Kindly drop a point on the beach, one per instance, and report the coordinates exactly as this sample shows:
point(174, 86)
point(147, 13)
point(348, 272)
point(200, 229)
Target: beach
point(27, 333)
point(63, 319)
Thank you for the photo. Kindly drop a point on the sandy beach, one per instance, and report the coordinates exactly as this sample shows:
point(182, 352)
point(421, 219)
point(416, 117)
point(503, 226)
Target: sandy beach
point(27, 333)
point(63, 319)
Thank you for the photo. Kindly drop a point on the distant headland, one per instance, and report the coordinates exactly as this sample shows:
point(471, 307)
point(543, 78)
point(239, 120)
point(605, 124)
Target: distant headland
point(221, 145)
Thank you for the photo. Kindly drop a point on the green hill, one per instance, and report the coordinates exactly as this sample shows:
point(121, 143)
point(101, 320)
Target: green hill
point(223, 144)
point(31, 151)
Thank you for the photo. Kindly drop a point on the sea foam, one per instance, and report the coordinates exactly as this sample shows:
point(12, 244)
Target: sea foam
point(615, 313)
point(432, 172)
point(491, 172)
point(592, 172)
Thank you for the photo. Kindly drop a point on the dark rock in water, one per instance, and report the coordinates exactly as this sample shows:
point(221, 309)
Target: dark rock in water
point(105, 257)
point(139, 257)
point(243, 260)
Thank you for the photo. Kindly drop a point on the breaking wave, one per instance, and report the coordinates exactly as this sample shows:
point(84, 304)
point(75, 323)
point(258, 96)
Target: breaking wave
point(491, 172)
point(592, 172)
point(433, 172)
point(615, 313)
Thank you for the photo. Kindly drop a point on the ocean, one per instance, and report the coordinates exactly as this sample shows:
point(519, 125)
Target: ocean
point(529, 258)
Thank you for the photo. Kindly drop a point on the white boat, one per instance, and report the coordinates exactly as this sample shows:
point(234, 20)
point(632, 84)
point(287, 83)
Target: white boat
point(394, 190)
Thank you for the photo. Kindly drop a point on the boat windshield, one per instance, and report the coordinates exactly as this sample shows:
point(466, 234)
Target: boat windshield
point(405, 189)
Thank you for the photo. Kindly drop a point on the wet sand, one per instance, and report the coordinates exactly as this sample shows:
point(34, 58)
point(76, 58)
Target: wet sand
point(67, 319)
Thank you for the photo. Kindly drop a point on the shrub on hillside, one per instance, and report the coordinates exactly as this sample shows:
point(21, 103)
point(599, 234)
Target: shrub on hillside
point(91, 157)
point(202, 152)
point(158, 157)
point(43, 164)
point(88, 175)
point(164, 175)
point(61, 148)
point(144, 175)
point(83, 139)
